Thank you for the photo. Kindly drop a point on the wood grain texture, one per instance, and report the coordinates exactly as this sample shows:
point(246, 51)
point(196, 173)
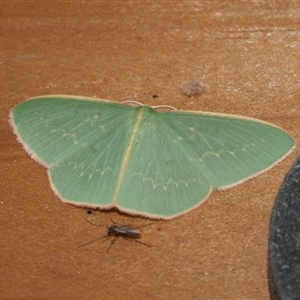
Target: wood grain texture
point(246, 54)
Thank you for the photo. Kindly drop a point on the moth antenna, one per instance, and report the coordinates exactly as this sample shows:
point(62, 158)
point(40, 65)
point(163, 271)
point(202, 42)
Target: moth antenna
point(164, 107)
point(133, 102)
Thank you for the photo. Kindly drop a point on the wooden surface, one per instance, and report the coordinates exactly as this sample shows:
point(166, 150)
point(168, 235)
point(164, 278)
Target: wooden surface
point(246, 54)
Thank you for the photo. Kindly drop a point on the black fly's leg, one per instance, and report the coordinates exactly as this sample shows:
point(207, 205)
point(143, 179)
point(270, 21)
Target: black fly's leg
point(112, 242)
point(104, 237)
point(136, 240)
point(143, 243)
point(93, 223)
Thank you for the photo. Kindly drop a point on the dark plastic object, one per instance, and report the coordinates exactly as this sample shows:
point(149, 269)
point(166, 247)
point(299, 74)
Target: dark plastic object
point(284, 239)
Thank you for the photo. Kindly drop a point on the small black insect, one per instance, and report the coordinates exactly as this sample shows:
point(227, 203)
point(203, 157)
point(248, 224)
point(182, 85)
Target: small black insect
point(116, 230)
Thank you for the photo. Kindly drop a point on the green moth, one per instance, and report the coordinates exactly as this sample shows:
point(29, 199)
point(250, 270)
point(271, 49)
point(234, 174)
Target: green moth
point(105, 154)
